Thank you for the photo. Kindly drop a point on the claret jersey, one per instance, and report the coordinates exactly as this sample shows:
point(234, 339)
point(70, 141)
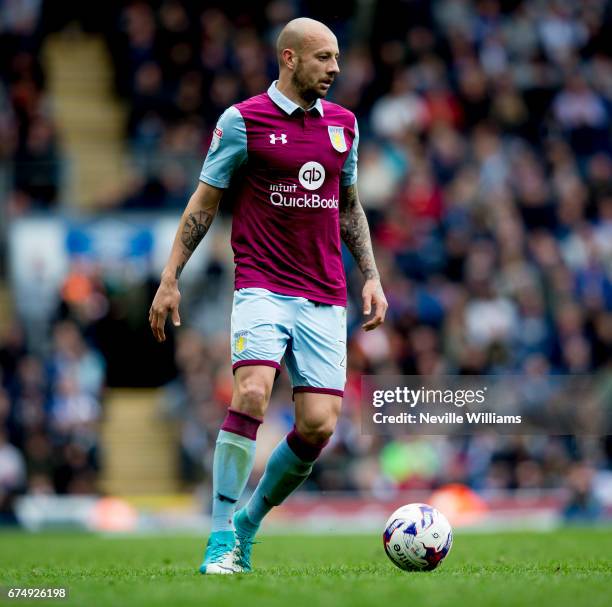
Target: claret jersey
point(286, 166)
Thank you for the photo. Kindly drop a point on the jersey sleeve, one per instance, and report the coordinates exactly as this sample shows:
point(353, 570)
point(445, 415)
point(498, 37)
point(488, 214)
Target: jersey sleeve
point(227, 151)
point(349, 170)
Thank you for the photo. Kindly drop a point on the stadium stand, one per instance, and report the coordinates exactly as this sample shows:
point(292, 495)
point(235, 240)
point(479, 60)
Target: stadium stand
point(486, 173)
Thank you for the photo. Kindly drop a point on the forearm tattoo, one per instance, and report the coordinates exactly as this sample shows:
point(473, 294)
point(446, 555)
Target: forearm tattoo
point(355, 232)
point(179, 269)
point(194, 229)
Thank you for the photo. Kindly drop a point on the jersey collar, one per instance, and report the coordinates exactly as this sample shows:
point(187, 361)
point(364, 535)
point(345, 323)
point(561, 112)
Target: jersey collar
point(288, 106)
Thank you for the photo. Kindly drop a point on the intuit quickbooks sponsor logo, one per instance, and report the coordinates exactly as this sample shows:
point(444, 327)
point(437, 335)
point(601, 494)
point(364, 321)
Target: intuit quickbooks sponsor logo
point(307, 201)
point(286, 195)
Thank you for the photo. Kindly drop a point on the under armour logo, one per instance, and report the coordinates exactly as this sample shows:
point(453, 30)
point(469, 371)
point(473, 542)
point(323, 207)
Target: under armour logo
point(274, 138)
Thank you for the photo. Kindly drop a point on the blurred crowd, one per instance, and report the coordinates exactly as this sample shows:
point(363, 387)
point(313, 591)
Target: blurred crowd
point(486, 174)
point(50, 408)
point(30, 159)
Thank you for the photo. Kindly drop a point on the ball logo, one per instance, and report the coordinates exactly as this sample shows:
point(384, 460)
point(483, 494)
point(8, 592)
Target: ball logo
point(312, 175)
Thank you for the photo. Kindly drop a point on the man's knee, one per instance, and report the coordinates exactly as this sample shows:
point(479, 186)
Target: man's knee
point(317, 424)
point(251, 394)
point(252, 397)
point(317, 434)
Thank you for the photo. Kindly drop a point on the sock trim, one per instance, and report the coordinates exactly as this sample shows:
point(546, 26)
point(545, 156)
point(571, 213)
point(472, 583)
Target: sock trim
point(241, 423)
point(305, 450)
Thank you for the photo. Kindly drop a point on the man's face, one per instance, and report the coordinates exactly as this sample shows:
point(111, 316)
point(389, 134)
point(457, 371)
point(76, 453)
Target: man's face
point(316, 66)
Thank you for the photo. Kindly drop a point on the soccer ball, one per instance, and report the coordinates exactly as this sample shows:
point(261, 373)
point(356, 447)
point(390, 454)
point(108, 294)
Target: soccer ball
point(417, 537)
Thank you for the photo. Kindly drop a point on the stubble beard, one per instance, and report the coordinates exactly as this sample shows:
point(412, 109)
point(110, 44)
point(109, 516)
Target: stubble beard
point(301, 85)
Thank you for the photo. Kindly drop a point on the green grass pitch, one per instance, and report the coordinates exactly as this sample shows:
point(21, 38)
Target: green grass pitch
point(567, 567)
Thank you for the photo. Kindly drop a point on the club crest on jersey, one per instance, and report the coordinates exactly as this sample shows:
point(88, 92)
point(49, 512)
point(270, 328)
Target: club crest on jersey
point(336, 136)
point(216, 139)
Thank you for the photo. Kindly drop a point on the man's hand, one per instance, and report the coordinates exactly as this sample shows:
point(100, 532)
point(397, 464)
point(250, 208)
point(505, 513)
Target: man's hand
point(372, 294)
point(166, 301)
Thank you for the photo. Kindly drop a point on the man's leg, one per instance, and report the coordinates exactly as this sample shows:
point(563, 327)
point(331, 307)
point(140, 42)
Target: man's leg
point(233, 460)
point(290, 463)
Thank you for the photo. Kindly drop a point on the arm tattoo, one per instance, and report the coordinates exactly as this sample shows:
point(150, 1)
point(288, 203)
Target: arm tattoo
point(355, 232)
point(194, 229)
point(179, 269)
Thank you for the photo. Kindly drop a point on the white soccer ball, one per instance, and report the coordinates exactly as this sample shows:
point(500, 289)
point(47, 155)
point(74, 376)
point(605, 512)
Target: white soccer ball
point(417, 537)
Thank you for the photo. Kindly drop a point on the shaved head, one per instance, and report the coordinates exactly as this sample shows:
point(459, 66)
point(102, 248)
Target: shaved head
point(307, 60)
point(299, 34)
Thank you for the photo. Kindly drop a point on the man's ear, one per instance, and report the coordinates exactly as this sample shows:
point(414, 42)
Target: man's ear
point(289, 58)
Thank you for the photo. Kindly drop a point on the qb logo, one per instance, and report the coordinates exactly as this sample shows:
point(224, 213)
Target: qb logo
point(274, 138)
point(312, 175)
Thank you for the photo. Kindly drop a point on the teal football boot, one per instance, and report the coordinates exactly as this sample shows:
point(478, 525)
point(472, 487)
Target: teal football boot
point(245, 538)
point(220, 558)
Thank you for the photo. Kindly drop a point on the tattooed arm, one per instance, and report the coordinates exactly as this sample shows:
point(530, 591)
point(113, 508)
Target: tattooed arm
point(355, 233)
point(195, 222)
